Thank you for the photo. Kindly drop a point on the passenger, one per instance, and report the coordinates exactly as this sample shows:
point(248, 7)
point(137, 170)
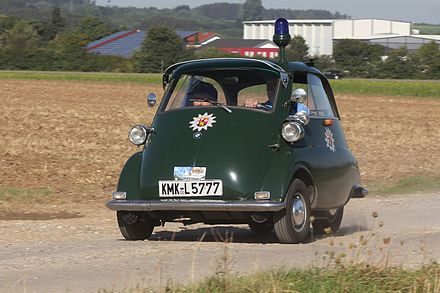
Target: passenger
point(271, 90)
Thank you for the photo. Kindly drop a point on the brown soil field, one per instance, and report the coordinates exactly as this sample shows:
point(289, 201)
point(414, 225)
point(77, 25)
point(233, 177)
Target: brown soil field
point(71, 138)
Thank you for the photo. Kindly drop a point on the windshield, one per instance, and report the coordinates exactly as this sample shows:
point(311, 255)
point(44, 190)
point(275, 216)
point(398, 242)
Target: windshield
point(253, 89)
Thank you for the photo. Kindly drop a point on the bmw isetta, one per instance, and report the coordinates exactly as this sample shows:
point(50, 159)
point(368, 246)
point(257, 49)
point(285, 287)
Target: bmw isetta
point(240, 141)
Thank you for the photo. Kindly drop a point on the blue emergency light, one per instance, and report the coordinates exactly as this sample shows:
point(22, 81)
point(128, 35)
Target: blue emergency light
point(281, 26)
point(282, 37)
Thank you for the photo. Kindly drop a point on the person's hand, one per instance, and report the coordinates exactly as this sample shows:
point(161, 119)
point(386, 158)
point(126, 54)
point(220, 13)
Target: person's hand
point(251, 103)
point(201, 103)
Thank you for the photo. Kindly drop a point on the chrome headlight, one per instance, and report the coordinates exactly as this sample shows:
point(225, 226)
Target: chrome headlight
point(292, 131)
point(302, 117)
point(138, 135)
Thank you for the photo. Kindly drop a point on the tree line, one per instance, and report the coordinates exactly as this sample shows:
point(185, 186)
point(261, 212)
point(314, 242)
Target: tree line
point(54, 44)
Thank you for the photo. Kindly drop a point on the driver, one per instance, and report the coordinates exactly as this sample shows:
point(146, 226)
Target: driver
point(201, 93)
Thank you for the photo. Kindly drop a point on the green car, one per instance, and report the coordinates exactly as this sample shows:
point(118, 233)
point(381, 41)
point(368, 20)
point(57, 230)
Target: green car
point(240, 141)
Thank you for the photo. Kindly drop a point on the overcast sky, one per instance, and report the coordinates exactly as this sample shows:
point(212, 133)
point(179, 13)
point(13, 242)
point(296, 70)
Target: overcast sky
point(407, 10)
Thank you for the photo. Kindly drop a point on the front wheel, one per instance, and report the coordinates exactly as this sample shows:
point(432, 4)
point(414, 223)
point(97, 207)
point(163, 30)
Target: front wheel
point(261, 225)
point(292, 225)
point(329, 222)
point(135, 225)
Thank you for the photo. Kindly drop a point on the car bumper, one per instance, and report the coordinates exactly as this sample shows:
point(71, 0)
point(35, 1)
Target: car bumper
point(358, 192)
point(195, 205)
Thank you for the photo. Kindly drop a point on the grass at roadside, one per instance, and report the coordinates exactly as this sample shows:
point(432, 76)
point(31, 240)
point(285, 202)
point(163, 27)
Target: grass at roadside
point(414, 88)
point(359, 278)
point(407, 185)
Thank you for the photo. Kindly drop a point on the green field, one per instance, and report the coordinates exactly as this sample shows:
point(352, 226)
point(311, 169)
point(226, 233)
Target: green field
point(83, 76)
point(413, 88)
point(427, 29)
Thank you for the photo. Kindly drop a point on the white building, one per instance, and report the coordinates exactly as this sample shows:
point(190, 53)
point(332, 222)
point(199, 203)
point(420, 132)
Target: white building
point(320, 35)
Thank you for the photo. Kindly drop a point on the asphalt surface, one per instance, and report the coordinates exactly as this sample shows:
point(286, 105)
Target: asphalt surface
point(86, 254)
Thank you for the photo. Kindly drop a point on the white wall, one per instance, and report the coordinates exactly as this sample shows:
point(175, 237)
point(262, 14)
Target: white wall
point(318, 36)
point(346, 29)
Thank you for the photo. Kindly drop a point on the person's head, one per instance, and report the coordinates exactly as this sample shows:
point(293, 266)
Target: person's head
point(202, 91)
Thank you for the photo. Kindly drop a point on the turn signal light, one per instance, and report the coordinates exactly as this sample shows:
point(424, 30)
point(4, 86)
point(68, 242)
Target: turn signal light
point(119, 195)
point(328, 122)
point(262, 195)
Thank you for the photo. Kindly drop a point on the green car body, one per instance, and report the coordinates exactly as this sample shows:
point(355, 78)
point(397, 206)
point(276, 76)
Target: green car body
point(267, 182)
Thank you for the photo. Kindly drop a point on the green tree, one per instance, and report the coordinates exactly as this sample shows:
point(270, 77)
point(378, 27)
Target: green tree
point(324, 63)
point(93, 28)
point(161, 48)
point(399, 64)
point(21, 49)
point(428, 60)
point(211, 52)
point(252, 10)
point(70, 53)
point(297, 49)
point(49, 30)
point(359, 58)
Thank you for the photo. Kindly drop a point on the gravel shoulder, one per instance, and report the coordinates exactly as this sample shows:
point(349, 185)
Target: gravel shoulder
point(86, 253)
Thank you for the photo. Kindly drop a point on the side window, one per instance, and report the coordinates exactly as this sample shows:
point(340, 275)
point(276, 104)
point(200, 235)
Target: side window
point(317, 101)
point(257, 92)
point(263, 93)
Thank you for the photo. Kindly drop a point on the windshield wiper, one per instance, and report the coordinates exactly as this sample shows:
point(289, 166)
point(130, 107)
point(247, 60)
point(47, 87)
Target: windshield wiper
point(218, 104)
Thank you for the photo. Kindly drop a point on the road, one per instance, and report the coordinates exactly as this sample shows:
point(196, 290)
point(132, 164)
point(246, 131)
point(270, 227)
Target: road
point(85, 254)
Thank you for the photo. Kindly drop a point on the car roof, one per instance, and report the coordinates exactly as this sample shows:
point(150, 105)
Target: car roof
point(194, 65)
point(300, 66)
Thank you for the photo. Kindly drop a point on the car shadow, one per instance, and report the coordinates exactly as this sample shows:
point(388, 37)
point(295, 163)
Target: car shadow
point(240, 235)
point(216, 234)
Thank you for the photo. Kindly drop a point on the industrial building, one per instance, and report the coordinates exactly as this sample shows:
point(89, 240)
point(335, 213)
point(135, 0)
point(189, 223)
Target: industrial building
point(320, 35)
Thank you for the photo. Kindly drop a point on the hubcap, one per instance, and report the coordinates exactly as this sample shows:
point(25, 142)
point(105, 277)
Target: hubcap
point(130, 218)
point(298, 212)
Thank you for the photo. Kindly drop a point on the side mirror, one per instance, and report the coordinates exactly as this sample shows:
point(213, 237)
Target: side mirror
point(299, 96)
point(151, 100)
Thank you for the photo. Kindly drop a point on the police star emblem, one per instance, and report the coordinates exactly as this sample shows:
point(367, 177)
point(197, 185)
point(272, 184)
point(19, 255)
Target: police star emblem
point(329, 139)
point(202, 122)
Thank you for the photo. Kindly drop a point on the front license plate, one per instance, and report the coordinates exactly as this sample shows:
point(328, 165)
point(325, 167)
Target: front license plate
point(179, 188)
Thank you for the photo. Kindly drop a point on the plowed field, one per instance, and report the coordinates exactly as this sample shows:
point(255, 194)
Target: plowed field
point(70, 138)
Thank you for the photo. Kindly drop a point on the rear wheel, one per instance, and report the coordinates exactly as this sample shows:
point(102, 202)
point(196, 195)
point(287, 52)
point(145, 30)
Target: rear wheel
point(328, 222)
point(292, 225)
point(135, 225)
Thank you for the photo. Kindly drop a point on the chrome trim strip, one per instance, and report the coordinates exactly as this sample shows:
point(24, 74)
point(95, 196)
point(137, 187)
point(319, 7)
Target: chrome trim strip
point(195, 205)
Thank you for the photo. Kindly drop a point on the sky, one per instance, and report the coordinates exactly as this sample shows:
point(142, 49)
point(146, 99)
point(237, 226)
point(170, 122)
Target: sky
point(427, 11)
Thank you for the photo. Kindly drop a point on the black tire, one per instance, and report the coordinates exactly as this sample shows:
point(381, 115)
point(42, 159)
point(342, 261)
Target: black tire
point(135, 225)
point(290, 226)
point(327, 223)
point(262, 228)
